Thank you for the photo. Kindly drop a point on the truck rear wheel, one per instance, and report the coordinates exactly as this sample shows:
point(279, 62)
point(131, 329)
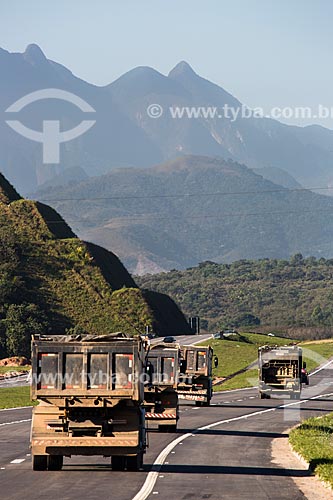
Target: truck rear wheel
point(118, 462)
point(198, 403)
point(55, 462)
point(39, 462)
point(135, 463)
point(206, 403)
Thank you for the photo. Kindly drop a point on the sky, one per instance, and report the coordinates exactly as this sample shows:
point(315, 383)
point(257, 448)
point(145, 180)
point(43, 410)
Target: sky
point(266, 53)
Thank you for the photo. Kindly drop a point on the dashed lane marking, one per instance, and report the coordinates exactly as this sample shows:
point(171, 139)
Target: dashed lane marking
point(15, 422)
point(17, 461)
point(152, 476)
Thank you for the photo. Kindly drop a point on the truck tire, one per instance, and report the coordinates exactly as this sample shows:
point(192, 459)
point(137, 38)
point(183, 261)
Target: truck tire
point(118, 462)
point(55, 462)
point(39, 462)
point(135, 463)
point(206, 403)
point(198, 403)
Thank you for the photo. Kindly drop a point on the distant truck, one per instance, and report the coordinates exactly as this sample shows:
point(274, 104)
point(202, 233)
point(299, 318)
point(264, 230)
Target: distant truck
point(90, 392)
point(161, 399)
point(281, 371)
point(195, 383)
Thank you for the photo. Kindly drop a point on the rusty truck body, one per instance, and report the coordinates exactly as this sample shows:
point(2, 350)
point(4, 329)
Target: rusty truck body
point(90, 392)
point(196, 383)
point(161, 399)
point(280, 371)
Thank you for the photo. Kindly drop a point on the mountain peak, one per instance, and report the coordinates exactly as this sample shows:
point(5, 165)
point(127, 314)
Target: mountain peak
point(182, 68)
point(7, 192)
point(34, 54)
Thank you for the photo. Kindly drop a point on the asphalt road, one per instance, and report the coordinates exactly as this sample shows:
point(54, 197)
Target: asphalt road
point(21, 380)
point(221, 452)
point(186, 339)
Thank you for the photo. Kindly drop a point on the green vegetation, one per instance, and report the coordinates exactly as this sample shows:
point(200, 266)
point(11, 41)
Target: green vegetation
point(316, 354)
point(50, 281)
point(6, 369)
point(248, 378)
point(313, 440)
point(15, 397)
point(290, 297)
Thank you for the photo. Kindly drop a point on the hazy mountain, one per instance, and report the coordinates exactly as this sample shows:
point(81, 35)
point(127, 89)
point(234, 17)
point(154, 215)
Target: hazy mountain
point(305, 153)
point(194, 209)
point(124, 135)
point(114, 140)
point(278, 176)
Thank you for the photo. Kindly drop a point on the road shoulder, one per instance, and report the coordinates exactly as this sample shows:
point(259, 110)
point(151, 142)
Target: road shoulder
point(283, 456)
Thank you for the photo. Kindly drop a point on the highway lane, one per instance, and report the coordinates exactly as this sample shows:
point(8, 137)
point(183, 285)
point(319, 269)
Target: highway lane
point(19, 381)
point(186, 339)
point(229, 460)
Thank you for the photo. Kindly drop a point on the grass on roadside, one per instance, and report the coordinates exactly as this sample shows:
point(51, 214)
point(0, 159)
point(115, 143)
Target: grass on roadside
point(246, 379)
point(14, 397)
point(6, 369)
point(316, 354)
point(313, 440)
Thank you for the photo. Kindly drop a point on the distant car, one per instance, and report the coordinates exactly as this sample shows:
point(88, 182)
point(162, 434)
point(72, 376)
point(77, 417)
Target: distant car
point(169, 339)
point(270, 335)
point(304, 377)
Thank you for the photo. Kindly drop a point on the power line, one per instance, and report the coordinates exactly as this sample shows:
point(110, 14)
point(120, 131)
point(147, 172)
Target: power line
point(146, 217)
point(188, 195)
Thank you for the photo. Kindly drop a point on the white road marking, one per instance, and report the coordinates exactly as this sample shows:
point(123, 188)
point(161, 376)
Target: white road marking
point(18, 408)
point(152, 476)
point(17, 461)
point(239, 400)
point(321, 368)
point(16, 422)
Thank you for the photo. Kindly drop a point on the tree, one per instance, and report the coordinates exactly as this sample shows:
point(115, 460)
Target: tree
point(247, 319)
point(20, 323)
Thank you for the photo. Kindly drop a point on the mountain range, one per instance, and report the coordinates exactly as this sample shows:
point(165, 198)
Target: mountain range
point(194, 209)
point(125, 136)
point(164, 192)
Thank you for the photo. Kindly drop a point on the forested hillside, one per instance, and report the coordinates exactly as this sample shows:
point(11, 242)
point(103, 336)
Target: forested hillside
point(50, 281)
point(293, 296)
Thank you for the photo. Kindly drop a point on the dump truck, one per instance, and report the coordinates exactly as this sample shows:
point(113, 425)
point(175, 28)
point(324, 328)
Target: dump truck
point(90, 391)
point(195, 384)
point(280, 371)
point(161, 399)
